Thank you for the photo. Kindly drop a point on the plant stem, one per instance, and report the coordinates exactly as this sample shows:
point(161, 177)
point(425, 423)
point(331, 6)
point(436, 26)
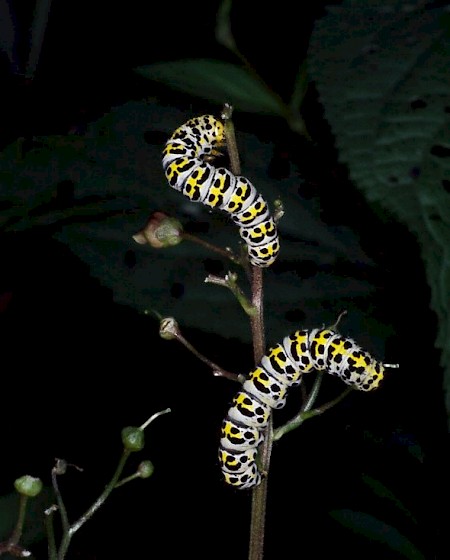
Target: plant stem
point(106, 492)
point(257, 320)
point(169, 330)
point(259, 496)
point(49, 517)
point(17, 533)
point(69, 531)
point(227, 253)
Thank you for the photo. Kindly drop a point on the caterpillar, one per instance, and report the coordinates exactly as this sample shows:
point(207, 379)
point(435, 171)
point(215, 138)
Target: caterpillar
point(187, 171)
point(266, 387)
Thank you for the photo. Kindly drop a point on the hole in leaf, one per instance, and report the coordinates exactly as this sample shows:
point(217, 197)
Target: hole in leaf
point(435, 217)
point(414, 172)
point(440, 151)
point(177, 290)
point(418, 104)
point(295, 316)
point(129, 259)
point(213, 266)
point(155, 137)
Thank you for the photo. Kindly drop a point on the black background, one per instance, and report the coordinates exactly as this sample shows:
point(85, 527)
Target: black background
point(77, 367)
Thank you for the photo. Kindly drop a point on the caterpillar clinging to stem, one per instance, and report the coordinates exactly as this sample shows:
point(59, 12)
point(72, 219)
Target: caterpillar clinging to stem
point(187, 170)
point(267, 385)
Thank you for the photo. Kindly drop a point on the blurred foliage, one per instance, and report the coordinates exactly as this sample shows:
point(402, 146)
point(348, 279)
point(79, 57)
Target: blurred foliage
point(216, 81)
point(377, 531)
point(382, 71)
point(95, 191)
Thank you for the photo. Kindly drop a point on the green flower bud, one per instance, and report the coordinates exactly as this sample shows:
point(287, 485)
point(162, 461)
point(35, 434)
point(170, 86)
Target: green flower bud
point(133, 438)
point(145, 469)
point(160, 231)
point(28, 485)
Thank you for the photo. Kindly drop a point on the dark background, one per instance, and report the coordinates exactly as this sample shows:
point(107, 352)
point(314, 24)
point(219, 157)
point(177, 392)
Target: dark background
point(78, 367)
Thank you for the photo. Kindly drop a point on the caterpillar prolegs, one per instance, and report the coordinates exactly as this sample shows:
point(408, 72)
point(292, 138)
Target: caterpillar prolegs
point(187, 171)
point(267, 385)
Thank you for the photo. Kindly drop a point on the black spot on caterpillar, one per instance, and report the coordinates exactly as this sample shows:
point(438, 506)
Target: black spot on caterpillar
point(187, 171)
point(267, 385)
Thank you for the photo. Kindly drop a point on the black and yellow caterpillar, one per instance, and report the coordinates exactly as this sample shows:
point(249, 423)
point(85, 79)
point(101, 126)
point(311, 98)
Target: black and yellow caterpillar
point(187, 171)
point(267, 385)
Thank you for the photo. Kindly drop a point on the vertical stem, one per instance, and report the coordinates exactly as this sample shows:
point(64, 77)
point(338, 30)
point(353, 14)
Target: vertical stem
point(258, 518)
point(17, 533)
point(259, 496)
point(257, 321)
point(49, 518)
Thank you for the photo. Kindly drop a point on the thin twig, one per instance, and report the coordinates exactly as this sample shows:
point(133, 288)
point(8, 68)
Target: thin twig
point(169, 329)
point(307, 411)
point(227, 252)
point(230, 282)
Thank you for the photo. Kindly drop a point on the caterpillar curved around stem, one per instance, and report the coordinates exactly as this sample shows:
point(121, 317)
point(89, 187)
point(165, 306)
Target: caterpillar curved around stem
point(267, 385)
point(187, 171)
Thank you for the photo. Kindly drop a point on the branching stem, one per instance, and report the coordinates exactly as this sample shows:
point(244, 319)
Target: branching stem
point(169, 329)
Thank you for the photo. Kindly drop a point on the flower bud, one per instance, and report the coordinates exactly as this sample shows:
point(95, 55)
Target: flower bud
point(168, 328)
point(145, 469)
point(29, 486)
point(160, 231)
point(133, 438)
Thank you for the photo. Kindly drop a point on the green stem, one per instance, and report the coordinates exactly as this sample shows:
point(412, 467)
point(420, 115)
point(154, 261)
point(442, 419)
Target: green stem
point(307, 411)
point(51, 542)
point(17, 533)
point(230, 282)
point(56, 471)
point(106, 492)
point(68, 534)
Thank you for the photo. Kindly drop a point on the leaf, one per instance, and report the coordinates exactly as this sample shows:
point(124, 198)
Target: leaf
point(217, 81)
point(382, 491)
point(224, 33)
point(381, 69)
point(116, 180)
point(372, 528)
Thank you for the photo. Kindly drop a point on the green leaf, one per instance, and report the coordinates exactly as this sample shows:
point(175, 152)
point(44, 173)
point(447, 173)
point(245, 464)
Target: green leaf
point(217, 81)
point(376, 530)
point(224, 33)
point(117, 181)
point(382, 75)
point(382, 491)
